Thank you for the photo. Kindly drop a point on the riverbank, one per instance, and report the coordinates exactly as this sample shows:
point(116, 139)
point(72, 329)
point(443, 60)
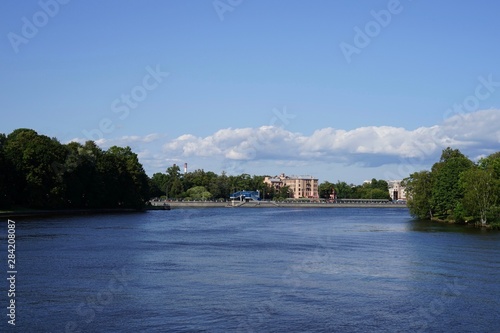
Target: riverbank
point(495, 225)
point(162, 205)
point(273, 204)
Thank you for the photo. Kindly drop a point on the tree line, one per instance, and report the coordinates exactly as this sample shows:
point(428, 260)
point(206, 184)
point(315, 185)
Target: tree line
point(207, 185)
point(374, 189)
point(203, 185)
point(40, 172)
point(457, 189)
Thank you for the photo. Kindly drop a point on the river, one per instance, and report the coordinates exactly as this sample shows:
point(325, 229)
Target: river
point(253, 270)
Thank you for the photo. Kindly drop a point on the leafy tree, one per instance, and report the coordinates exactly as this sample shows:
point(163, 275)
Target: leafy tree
point(40, 172)
point(174, 183)
point(492, 162)
point(344, 190)
point(380, 185)
point(446, 191)
point(241, 183)
point(83, 186)
point(222, 185)
point(376, 193)
point(198, 193)
point(6, 176)
point(481, 191)
point(326, 189)
point(133, 187)
point(419, 191)
point(32, 156)
point(158, 185)
point(284, 193)
point(375, 189)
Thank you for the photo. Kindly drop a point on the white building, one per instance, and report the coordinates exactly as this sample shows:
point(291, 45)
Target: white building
point(396, 190)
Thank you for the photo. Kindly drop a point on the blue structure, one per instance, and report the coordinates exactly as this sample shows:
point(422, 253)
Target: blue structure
point(245, 196)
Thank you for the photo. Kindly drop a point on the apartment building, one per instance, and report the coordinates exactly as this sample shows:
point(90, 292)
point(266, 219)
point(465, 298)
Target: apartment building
point(301, 186)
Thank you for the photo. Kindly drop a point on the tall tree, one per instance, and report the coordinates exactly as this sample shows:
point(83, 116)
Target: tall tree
point(198, 193)
point(158, 184)
point(326, 189)
point(32, 156)
point(6, 176)
point(481, 191)
point(284, 192)
point(174, 183)
point(344, 190)
point(419, 192)
point(446, 192)
point(133, 186)
point(83, 185)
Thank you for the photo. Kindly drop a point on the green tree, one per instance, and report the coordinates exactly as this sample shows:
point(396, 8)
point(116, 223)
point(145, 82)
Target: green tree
point(419, 191)
point(446, 192)
point(326, 189)
point(376, 193)
point(481, 191)
point(6, 176)
point(32, 155)
point(284, 193)
point(158, 184)
point(83, 185)
point(174, 186)
point(380, 184)
point(344, 190)
point(223, 187)
point(198, 193)
point(121, 180)
point(492, 162)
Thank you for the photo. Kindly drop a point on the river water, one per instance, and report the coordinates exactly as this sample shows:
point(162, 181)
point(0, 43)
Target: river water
point(253, 270)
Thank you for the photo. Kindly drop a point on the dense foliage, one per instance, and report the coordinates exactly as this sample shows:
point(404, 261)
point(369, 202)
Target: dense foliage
point(456, 189)
point(374, 189)
point(39, 172)
point(207, 185)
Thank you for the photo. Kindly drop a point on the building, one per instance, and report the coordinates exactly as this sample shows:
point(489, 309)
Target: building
point(396, 190)
point(301, 186)
point(245, 196)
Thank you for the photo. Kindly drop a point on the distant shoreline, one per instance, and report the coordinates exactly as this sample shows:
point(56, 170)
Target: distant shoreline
point(191, 204)
point(272, 204)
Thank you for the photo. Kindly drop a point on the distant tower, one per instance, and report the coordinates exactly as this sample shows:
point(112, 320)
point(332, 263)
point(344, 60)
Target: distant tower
point(185, 168)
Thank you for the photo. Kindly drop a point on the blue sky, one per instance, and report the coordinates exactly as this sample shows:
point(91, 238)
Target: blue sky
point(262, 86)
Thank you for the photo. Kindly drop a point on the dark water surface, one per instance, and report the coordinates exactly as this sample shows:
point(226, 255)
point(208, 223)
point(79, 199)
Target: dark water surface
point(253, 270)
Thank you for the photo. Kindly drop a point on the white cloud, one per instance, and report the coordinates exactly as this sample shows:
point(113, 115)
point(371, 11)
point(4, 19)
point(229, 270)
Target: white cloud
point(475, 133)
point(127, 140)
point(239, 150)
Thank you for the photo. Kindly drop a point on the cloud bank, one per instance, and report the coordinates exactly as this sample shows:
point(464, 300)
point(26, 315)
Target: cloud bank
point(476, 134)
